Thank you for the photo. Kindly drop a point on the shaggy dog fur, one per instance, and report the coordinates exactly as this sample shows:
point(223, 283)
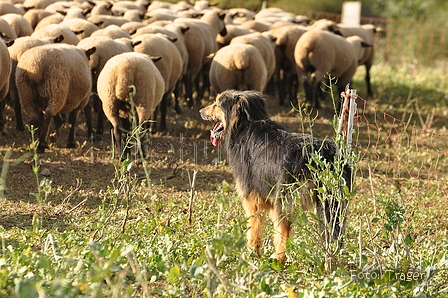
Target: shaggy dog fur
point(266, 161)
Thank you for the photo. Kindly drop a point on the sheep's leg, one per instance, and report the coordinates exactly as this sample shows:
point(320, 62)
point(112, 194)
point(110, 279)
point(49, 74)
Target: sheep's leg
point(369, 87)
point(88, 115)
point(251, 205)
point(153, 123)
point(188, 83)
point(44, 129)
point(177, 91)
point(72, 122)
point(282, 230)
point(281, 87)
point(293, 89)
point(162, 105)
point(98, 105)
point(18, 112)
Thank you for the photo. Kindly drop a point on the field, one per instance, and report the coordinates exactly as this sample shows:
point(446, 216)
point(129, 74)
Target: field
point(76, 223)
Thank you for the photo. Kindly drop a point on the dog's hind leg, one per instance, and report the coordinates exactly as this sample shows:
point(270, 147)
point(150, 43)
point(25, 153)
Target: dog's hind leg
point(282, 231)
point(253, 206)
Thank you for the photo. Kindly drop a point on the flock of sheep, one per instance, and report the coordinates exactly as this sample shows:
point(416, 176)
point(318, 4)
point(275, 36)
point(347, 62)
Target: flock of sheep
point(59, 58)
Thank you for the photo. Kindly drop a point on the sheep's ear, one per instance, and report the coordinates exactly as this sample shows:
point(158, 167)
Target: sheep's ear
point(87, 11)
point(146, 17)
point(9, 42)
point(119, 13)
point(365, 44)
point(141, 16)
point(197, 15)
point(78, 31)
point(99, 24)
point(58, 39)
point(91, 3)
point(170, 38)
point(26, 8)
point(221, 15)
point(133, 32)
point(135, 43)
point(90, 51)
point(184, 29)
point(155, 58)
point(109, 5)
point(241, 15)
point(64, 13)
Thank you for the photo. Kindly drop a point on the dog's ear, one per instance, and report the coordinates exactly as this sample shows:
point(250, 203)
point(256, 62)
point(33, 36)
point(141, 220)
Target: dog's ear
point(253, 105)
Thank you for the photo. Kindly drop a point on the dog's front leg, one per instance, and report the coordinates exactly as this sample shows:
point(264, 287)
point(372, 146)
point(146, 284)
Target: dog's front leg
point(251, 205)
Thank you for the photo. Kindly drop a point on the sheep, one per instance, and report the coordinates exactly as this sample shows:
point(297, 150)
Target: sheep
point(286, 37)
point(232, 31)
point(239, 15)
point(132, 27)
point(101, 8)
point(18, 23)
point(9, 8)
point(21, 45)
point(34, 16)
point(200, 41)
point(106, 48)
point(54, 79)
point(55, 18)
point(103, 21)
point(256, 25)
point(112, 31)
point(38, 4)
point(6, 31)
point(320, 52)
point(170, 67)
point(367, 32)
point(239, 67)
point(55, 30)
point(115, 80)
point(85, 27)
point(5, 67)
point(265, 44)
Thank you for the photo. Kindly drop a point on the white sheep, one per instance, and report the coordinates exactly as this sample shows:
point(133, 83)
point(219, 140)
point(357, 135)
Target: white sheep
point(85, 27)
point(286, 37)
point(55, 30)
point(239, 67)
point(20, 46)
point(6, 31)
point(115, 82)
point(265, 44)
point(5, 70)
point(232, 32)
point(200, 41)
point(18, 23)
point(367, 32)
point(106, 48)
point(34, 16)
point(170, 67)
point(54, 79)
point(319, 53)
point(112, 31)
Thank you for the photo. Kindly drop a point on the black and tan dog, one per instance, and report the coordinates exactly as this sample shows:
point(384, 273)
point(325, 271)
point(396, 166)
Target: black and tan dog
point(266, 160)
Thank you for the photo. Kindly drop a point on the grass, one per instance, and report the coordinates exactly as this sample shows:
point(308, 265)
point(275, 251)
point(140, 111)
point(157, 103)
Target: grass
point(79, 244)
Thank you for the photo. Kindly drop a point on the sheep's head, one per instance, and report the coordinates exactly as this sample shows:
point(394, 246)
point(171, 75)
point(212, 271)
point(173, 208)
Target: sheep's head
point(231, 110)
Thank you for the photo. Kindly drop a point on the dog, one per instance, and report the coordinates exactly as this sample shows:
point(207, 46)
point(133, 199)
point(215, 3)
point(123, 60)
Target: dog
point(268, 162)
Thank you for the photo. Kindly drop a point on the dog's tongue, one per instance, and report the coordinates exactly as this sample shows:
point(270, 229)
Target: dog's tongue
point(215, 141)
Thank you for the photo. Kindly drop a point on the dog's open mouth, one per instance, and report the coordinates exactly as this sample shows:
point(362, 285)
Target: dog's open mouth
point(216, 134)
